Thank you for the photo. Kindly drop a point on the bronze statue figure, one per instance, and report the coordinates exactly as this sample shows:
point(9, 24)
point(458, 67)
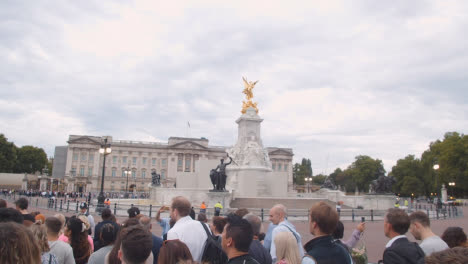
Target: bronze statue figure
point(218, 176)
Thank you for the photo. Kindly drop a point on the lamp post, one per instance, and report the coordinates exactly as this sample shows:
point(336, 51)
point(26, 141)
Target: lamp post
point(453, 185)
point(308, 180)
point(436, 168)
point(127, 172)
point(104, 150)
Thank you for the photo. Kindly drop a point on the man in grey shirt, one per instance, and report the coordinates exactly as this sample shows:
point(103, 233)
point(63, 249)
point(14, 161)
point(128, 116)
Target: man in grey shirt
point(60, 249)
point(421, 230)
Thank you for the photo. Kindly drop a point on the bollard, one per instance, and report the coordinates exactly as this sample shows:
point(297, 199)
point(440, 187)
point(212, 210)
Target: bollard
point(115, 209)
point(37, 201)
point(352, 214)
point(56, 202)
point(372, 215)
point(445, 212)
point(76, 207)
point(151, 207)
point(262, 214)
point(61, 203)
point(427, 212)
point(449, 212)
point(437, 213)
point(68, 205)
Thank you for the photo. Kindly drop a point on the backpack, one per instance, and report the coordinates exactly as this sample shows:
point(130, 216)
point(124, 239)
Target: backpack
point(213, 252)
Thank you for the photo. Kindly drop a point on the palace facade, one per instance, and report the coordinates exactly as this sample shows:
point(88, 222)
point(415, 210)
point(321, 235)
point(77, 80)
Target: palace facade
point(129, 165)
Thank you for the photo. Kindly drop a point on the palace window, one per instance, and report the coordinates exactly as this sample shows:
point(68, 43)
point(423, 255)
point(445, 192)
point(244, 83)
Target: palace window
point(279, 166)
point(114, 172)
point(114, 159)
point(188, 160)
point(75, 156)
point(83, 156)
point(90, 171)
point(163, 162)
point(82, 171)
point(124, 159)
point(285, 167)
point(91, 157)
point(144, 161)
point(134, 160)
point(153, 161)
point(73, 171)
point(163, 174)
point(133, 174)
point(143, 174)
point(180, 162)
point(195, 160)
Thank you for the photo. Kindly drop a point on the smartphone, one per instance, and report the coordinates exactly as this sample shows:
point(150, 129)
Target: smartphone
point(363, 219)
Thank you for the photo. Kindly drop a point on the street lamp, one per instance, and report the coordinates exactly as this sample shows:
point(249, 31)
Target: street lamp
point(127, 172)
point(105, 150)
point(308, 181)
point(452, 184)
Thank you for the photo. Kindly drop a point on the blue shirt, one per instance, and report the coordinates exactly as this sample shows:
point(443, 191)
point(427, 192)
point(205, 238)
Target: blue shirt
point(165, 225)
point(268, 236)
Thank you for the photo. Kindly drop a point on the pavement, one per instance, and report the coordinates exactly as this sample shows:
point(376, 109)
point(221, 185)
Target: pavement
point(373, 237)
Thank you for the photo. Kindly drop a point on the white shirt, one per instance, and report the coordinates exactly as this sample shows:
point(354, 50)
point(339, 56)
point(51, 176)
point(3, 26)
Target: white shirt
point(190, 232)
point(389, 244)
point(433, 244)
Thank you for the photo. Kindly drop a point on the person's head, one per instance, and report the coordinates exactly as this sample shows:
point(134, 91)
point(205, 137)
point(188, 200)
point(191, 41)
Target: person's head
point(255, 222)
point(133, 212)
point(396, 222)
point(278, 213)
point(237, 235)
point(10, 215)
point(286, 247)
point(75, 230)
point(40, 218)
point(323, 219)
point(3, 203)
point(339, 230)
point(108, 234)
point(454, 237)
point(131, 222)
point(174, 252)
point(242, 212)
point(180, 207)
point(21, 203)
point(40, 233)
point(222, 161)
point(202, 218)
point(53, 225)
point(456, 255)
point(18, 245)
point(85, 221)
point(83, 207)
point(106, 214)
point(218, 224)
point(419, 222)
point(136, 245)
point(145, 221)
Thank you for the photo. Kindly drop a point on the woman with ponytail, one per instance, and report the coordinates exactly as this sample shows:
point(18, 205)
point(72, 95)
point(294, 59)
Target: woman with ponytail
point(77, 235)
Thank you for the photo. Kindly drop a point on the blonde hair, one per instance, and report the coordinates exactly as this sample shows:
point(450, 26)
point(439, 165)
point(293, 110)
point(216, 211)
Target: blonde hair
point(62, 219)
point(286, 248)
point(85, 221)
point(40, 233)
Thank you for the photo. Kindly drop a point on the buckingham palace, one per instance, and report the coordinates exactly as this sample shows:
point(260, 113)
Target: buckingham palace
point(129, 164)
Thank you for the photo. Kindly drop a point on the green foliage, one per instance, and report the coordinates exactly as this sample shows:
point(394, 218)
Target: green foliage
point(7, 154)
point(319, 179)
point(364, 170)
point(301, 171)
point(406, 172)
point(30, 159)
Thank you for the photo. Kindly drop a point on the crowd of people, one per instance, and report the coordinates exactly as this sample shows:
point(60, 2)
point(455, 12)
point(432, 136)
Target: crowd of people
point(237, 237)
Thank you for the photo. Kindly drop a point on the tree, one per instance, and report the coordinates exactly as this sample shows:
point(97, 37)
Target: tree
point(7, 155)
point(301, 171)
point(30, 159)
point(406, 172)
point(364, 170)
point(319, 179)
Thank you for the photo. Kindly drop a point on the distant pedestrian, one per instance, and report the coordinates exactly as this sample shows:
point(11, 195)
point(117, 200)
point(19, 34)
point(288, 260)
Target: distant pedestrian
point(203, 208)
point(217, 208)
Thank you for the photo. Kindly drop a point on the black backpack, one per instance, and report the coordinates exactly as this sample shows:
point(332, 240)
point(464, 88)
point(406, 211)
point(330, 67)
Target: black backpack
point(213, 252)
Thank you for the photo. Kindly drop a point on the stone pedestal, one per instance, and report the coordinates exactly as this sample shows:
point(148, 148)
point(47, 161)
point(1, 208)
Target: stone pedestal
point(222, 197)
point(443, 192)
point(163, 196)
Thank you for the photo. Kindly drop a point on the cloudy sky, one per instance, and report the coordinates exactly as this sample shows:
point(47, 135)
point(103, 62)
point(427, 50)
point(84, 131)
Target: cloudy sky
point(337, 79)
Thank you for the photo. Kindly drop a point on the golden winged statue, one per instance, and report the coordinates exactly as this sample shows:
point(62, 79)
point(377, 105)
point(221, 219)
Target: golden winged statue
point(248, 87)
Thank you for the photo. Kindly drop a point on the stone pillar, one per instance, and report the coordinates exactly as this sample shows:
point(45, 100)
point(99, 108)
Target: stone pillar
point(444, 193)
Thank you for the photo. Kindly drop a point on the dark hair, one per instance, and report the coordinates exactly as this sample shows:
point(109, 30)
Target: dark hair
point(454, 236)
point(325, 217)
point(242, 212)
point(219, 222)
point(420, 217)
point(18, 245)
point(78, 240)
point(456, 255)
point(240, 231)
point(398, 219)
point(113, 254)
point(11, 215)
point(108, 234)
point(53, 225)
point(173, 252)
point(136, 244)
point(339, 230)
point(202, 217)
point(106, 214)
point(22, 203)
point(133, 212)
point(3, 203)
point(182, 205)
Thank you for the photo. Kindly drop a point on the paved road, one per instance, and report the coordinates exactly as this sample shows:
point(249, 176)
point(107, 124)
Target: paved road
point(374, 237)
